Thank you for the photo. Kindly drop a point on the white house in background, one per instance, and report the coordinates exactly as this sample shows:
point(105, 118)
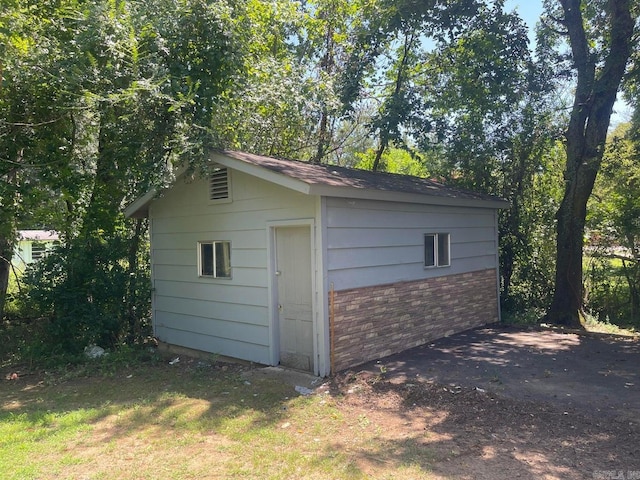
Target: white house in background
point(317, 267)
point(32, 246)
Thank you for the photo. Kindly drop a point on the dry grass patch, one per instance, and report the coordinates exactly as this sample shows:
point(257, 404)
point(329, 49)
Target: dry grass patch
point(192, 421)
point(210, 421)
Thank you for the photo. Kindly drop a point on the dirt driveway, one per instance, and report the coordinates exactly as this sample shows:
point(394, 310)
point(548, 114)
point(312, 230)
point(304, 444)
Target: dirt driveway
point(503, 403)
point(587, 373)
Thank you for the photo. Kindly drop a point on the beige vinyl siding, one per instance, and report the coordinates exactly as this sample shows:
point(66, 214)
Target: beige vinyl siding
point(374, 243)
point(224, 316)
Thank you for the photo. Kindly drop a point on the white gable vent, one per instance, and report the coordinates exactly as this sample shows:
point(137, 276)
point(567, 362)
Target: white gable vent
point(219, 184)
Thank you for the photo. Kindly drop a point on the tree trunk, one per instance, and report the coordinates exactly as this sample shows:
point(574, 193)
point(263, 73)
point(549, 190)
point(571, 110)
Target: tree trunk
point(323, 137)
point(327, 67)
point(6, 251)
point(392, 120)
point(107, 193)
point(586, 135)
point(384, 143)
point(8, 234)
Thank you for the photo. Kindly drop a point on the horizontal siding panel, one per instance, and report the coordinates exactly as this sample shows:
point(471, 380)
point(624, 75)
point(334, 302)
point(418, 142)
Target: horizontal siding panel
point(247, 277)
point(472, 235)
point(379, 256)
point(371, 257)
point(376, 243)
point(372, 237)
point(205, 343)
point(184, 257)
point(248, 194)
point(241, 332)
point(381, 275)
point(247, 188)
point(201, 308)
point(475, 249)
point(359, 204)
point(251, 239)
point(224, 222)
point(241, 258)
point(281, 200)
point(343, 217)
point(338, 238)
point(248, 257)
point(218, 292)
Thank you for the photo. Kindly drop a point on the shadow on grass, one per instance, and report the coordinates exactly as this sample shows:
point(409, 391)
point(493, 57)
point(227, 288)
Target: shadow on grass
point(363, 426)
point(191, 396)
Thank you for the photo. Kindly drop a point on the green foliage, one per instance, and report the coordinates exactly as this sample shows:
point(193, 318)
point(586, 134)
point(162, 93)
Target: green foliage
point(528, 238)
point(612, 274)
point(100, 100)
point(86, 293)
point(394, 160)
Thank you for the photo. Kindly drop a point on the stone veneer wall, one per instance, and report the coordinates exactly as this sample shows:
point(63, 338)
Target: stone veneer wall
point(374, 322)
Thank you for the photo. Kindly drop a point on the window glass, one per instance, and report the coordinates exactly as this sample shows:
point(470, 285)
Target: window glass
point(436, 250)
point(443, 249)
point(215, 259)
point(429, 251)
point(206, 259)
point(223, 259)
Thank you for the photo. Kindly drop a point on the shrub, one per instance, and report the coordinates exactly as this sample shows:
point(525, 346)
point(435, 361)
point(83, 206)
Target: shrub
point(87, 292)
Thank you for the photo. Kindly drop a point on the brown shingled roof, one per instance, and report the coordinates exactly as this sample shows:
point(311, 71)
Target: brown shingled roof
point(332, 180)
point(337, 177)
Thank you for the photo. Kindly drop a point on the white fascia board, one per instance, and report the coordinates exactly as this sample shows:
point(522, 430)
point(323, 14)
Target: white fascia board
point(342, 192)
point(261, 172)
point(139, 207)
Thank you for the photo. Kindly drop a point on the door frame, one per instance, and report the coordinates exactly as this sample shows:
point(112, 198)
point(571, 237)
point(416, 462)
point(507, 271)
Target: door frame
point(274, 317)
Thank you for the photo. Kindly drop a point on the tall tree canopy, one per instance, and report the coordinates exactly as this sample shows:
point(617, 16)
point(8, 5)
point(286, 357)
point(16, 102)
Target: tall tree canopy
point(99, 100)
point(601, 36)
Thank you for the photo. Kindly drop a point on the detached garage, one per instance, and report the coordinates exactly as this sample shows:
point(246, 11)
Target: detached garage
point(317, 267)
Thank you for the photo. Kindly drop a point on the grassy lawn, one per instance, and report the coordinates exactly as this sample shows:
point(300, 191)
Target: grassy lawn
point(191, 421)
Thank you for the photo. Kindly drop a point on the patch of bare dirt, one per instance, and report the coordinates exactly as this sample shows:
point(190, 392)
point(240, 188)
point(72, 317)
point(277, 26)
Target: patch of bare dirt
point(474, 434)
point(507, 402)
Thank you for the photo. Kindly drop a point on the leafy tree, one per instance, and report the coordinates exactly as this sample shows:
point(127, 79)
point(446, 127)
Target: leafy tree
point(601, 36)
point(614, 228)
point(473, 101)
point(288, 105)
point(492, 128)
point(130, 89)
point(34, 125)
point(401, 102)
point(394, 160)
point(325, 51)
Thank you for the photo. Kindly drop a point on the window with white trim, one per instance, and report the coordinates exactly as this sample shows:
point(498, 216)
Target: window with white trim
point(214, 259)
point(219, 184)
point(436, 250)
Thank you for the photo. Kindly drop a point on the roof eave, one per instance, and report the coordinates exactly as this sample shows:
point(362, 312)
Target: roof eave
point(139, 208)
point(402, 197)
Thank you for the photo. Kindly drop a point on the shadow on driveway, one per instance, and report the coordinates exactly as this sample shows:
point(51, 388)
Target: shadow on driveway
point(591, 373)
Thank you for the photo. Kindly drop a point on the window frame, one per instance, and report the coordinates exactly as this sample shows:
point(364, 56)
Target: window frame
point(214, 267)
point(440, 243)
